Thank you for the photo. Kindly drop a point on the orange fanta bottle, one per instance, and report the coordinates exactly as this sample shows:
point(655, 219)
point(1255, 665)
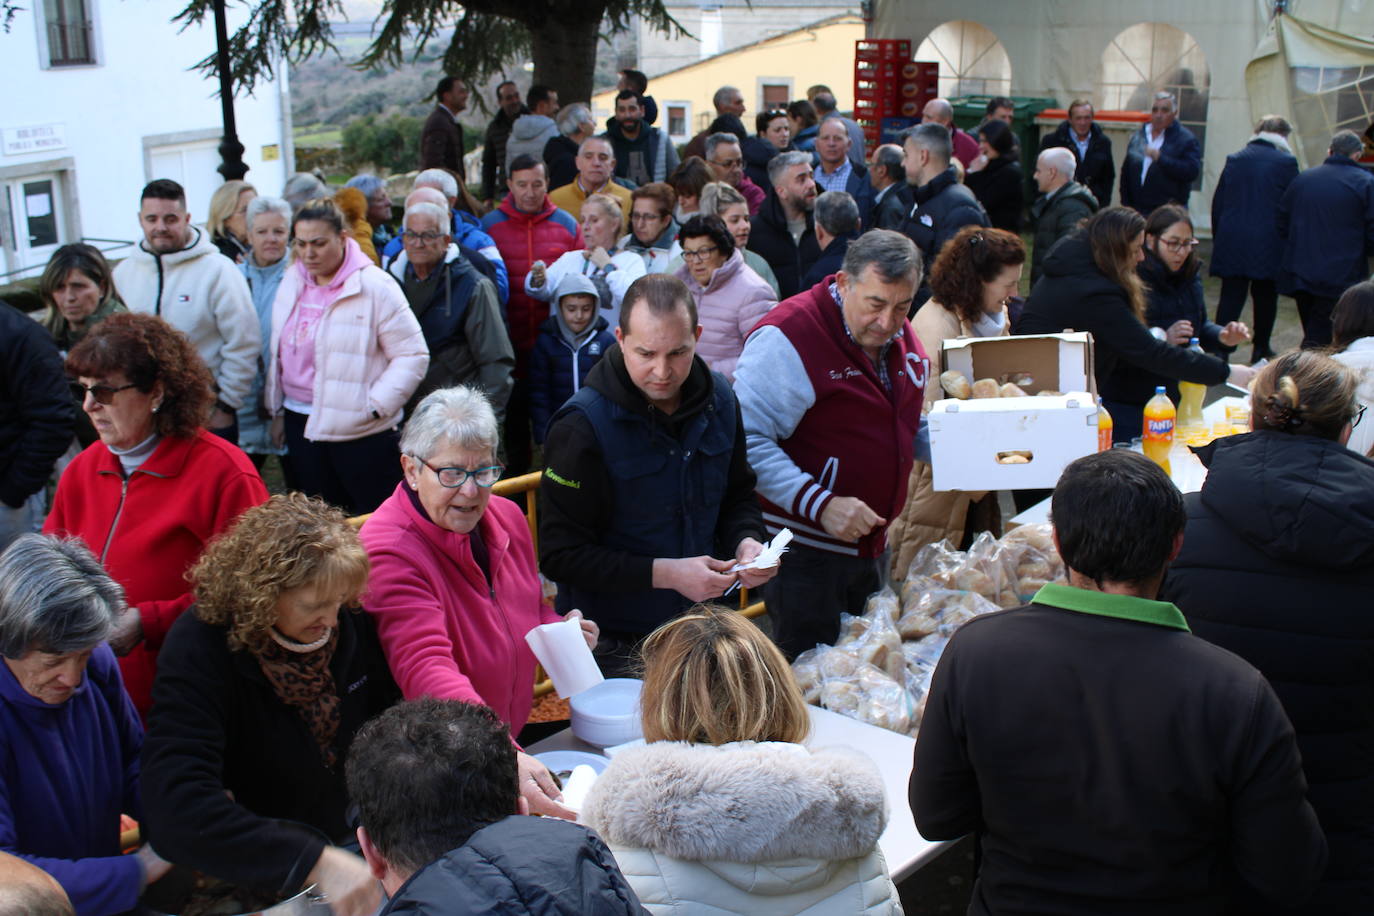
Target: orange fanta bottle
point(1158, 429)
point(1104, 427)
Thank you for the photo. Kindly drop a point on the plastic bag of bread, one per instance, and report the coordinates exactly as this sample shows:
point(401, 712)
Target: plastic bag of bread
point(881, 644)
point(806, 668)
point(986, 388)
point(851, 629)
point(956, 385)
point(912, 590)
point(998, 562)
point(1041, 537)
point(871, 696)
point(883, 602)
point(933, 559)
point(941, 610)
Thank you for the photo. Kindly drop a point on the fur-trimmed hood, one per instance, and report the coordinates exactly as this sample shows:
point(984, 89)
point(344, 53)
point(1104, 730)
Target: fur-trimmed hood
point(745, 803)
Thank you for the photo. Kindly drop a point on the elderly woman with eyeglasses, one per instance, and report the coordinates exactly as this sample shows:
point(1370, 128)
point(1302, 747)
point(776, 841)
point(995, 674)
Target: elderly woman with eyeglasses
point(155, 488)
point(69, 737)
point(454, 585)
point(1175, 313)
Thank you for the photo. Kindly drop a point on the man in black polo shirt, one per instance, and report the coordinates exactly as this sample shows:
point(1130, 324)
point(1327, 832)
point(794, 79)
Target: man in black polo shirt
point(1110, 761)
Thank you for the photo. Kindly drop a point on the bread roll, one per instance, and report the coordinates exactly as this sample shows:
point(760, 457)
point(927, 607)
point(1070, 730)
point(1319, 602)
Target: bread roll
point(985, 388)
point(956, 385)
point(1010, 390)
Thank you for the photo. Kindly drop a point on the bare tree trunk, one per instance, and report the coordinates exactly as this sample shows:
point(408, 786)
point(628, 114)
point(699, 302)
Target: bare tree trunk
point(564, 48)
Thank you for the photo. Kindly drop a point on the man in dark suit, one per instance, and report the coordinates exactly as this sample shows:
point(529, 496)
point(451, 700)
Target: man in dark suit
point(1090, 147)
point(1246, 248)
point(441, 140)
point(1162, 161)
point(891, 197)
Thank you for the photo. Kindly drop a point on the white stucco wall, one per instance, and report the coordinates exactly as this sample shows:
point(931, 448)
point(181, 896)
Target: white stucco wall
point(139, 113)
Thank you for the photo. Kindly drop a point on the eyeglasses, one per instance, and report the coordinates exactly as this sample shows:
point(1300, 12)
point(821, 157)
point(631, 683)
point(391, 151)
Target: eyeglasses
point(728, 163)
point(426, 237)
point(1179, 244)
point(453, 478)
point(647, 217)
point(700, 254)
point(103, 394)
point(1359, 415)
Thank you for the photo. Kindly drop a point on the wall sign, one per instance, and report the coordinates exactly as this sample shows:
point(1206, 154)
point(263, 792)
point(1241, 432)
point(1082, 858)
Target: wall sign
point(36, 138)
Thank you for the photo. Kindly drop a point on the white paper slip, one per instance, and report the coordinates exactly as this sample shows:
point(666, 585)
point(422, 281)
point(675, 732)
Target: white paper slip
point(562, 650)
point(770, 554)
point(578, 784)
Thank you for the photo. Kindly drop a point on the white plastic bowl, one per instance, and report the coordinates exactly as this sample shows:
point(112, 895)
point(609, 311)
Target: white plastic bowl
point(608, 713)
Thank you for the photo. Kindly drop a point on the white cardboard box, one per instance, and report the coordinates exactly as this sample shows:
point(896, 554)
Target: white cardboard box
point(967, 437)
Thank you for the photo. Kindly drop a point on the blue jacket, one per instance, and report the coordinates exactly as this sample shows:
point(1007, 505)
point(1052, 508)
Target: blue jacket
point(1171, 176)
point(255, 433)
point(521, 866)
point(1245, 236)
point(470, 239)
point(1326, 221)
point(66, 774)
point(558, 368)
point(859, 187)
point(830, 261)
point(805, 140)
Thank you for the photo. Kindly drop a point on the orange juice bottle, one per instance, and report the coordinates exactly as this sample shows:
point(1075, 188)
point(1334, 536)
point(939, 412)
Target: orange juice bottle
point(1104, 427)
point(1158, 429)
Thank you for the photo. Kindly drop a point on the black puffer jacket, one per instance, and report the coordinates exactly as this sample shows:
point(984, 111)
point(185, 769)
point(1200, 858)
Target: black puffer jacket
point(521, 866)
point(1278, 566)
point(1074, 293)
point(771, 240)
point(1172, 296)
point(1001, 189)
point(36, 409)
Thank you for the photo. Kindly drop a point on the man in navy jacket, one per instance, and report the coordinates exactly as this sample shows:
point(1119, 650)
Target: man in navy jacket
point(1162, 161)
point(1326, 221)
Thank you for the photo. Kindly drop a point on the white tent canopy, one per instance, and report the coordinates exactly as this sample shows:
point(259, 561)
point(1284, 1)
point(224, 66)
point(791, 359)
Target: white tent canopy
point(1116, 52)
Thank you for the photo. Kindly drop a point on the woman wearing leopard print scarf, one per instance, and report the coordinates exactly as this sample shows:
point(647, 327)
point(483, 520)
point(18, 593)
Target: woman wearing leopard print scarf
point(258, 696)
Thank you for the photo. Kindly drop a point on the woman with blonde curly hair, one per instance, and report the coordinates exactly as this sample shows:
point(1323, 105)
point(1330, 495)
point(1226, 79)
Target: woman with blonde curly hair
point(152, 491)
point(724, 810)
point(261, 691)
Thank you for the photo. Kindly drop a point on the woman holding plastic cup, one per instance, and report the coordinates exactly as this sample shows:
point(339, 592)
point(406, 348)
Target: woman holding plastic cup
point(454, 586)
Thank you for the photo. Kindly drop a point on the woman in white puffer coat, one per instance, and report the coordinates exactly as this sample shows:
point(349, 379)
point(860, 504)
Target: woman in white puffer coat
point(724, 810)
point(1352, 343)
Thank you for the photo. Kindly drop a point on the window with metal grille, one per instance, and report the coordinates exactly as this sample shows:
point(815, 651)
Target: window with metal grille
point(68, 26)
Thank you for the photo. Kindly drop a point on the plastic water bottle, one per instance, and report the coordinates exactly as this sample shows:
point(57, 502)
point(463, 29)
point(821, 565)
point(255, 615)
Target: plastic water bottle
point(1192, 427)
point(1158, 430)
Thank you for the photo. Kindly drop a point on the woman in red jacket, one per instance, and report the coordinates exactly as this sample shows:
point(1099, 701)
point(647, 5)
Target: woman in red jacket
point(151, 493)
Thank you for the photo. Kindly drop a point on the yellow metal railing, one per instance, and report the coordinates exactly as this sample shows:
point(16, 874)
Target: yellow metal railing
point(527, 484)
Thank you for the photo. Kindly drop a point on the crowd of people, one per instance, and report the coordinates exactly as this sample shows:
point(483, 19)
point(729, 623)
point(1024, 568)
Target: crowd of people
point(326, 688)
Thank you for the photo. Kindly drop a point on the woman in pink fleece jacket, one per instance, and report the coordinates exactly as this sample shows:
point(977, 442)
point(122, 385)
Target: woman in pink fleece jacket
point(454, 586)
point(730, 296)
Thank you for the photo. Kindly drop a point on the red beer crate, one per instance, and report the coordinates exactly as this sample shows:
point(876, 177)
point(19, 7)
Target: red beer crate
point(882, 49)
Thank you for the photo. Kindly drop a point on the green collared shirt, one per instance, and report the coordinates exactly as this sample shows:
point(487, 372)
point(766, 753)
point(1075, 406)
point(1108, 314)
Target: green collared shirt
point(1125, 607)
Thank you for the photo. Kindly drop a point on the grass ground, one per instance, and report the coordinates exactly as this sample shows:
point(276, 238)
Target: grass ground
point(318, 135)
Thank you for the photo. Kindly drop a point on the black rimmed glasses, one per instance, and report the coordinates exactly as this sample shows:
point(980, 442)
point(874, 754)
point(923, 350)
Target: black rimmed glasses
point(425, 237)
point(453, 478)
point(699, 254)
point(103, 394)
point(1179, 244)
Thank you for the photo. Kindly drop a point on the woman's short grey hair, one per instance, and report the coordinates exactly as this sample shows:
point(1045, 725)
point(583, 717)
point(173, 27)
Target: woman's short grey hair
point(784, 161)
point(461, 416)
point(368, 183)
point(716, 196)
point(894, 256)
point(610, 207)
point(260, 205)
point(54, 597)
point(572, 117)
point(301, 188)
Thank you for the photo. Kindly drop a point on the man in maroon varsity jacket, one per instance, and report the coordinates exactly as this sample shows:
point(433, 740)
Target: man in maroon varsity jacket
point(830, 386)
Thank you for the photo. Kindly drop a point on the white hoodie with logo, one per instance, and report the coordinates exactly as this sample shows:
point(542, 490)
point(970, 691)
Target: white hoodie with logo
point(203, 294)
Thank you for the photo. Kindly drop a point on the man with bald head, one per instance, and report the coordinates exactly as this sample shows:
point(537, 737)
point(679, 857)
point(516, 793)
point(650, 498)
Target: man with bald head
point(1063, 203)
point(939, 111)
